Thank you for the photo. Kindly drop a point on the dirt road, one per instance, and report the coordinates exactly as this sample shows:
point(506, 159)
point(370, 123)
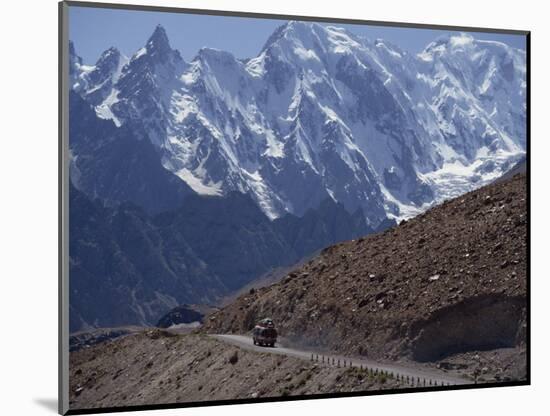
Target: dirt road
point(427, 374)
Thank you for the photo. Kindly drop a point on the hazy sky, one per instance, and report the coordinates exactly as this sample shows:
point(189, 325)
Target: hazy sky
point(93, 30)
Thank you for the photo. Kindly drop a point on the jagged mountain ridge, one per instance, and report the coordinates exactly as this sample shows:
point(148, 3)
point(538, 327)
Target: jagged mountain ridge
point(323, 113)
point(119, 165)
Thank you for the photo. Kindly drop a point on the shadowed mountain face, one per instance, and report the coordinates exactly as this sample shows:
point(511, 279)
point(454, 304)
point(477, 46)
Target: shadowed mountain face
point(119, 164)
point(128, 267)
point(232, 235)
point(123, 271)
point(320, 228)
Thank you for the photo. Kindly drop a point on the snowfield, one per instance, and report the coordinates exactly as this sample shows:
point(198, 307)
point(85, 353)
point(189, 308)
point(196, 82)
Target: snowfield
point(321, 113)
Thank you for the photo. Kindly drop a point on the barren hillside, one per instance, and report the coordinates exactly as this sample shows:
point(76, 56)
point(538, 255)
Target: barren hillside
point(156, 366)
point(446, 283)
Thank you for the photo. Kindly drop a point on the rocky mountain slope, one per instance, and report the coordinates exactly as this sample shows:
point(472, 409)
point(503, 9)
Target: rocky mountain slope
point(320, 113)
point(184, 314)
point(447, 282)
point(155, 367)
point(86, 339)
point(519, 168)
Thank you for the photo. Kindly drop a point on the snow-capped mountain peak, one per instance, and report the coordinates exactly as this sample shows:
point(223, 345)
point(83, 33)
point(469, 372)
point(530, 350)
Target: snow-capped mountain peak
point(158, 38)
point(323, 113)
point(96, 82)
point(111, 55)
point(158, 48)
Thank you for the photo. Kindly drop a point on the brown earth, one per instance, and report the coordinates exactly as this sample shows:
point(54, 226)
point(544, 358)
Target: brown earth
point(157, 366)
point(502, 364)
point(445, 283)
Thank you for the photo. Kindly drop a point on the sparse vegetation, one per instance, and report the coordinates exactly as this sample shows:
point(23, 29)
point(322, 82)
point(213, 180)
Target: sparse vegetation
point(284, 392)
point(234, 358)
